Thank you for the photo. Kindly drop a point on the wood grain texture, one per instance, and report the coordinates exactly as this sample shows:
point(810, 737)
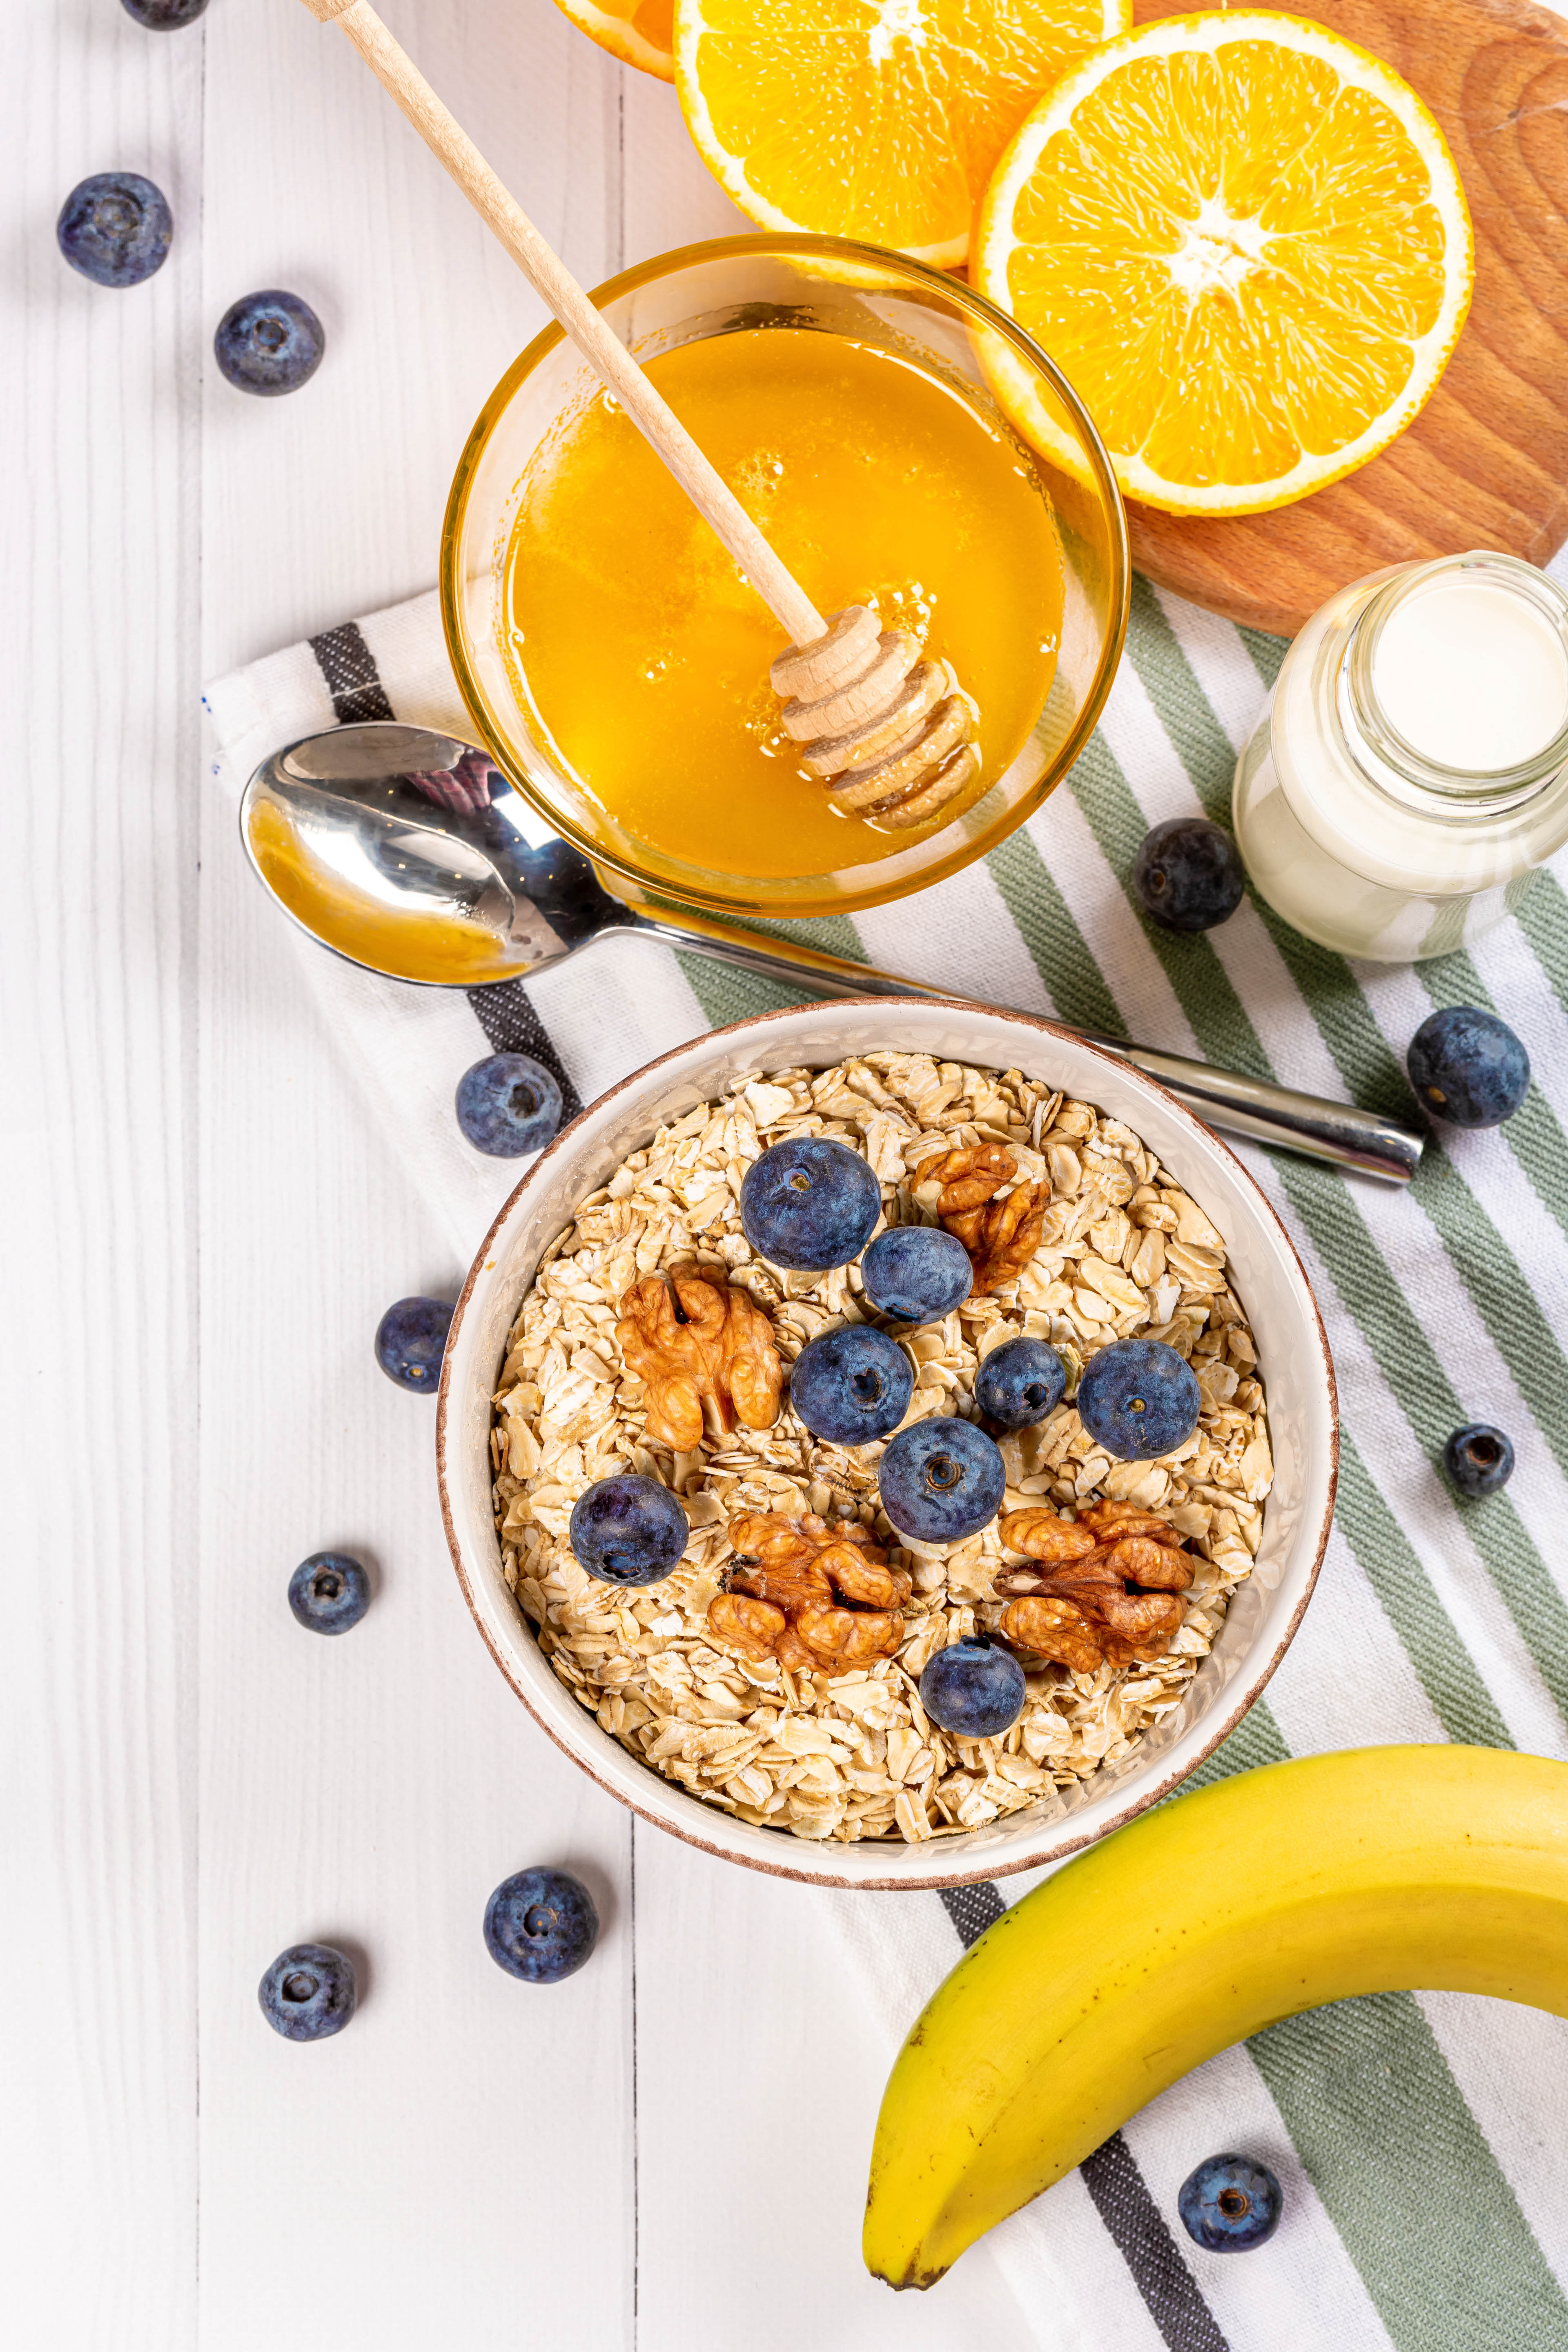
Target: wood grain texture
point(1486, 462)
point(98, 2155)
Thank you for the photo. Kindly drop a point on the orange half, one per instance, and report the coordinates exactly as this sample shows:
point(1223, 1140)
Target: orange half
point(1245, 243)
point(640, 35)
point(877, 120)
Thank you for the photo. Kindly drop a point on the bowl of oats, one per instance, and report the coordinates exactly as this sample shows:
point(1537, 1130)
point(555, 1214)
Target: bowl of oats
point(888, 1445)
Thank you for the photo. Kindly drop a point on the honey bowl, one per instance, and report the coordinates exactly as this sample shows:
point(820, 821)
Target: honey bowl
point(616, 664)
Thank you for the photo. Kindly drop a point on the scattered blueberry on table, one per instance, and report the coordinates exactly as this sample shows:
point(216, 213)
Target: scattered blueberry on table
point(917, 1274)
point(941, 1480)
point(1467, 1066)
point(1230, 2204)
point(809, 1203)
point(411, 1339)
point(269, 343)
point(1478, 1459)
point(508, 1105)
point(1139, 1398)
point(329, 1593)
point(165, 15)
point(628, 1530)
point(309, 1992)
point(115, 228)
point(851, 1386)
point(541, 1926)
point(1188, 874)
point(975, 1688)
point(1020, 1382)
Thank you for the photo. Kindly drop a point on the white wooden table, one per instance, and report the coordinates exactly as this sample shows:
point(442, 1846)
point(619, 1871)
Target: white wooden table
point(669, 2152)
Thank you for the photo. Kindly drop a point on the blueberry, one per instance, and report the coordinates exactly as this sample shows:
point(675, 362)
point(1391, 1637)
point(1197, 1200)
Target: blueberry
point(508, 1105)
point(1188, 874)
point(307, 1992)
point(1478, 1459)
point(269, 343)
point(1139, 1398)
point(115, 228)
point(941, 1480)
point(1467, 1066)
point(629, 1530)
point(411, 1339)
point(1019, 1383)
point(329, 1593)
point(1230, 2204)
point(974, 1687)
point(852, 1385)
point(809, 1204)
point(917, 1274)
point(541, 1926)
point(164, 16)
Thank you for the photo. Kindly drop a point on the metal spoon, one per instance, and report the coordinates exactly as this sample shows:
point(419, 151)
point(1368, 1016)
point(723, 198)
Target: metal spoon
point(409, 854)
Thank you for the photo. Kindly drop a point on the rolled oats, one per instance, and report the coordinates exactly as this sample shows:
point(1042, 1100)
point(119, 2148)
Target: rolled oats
point(843, 1750)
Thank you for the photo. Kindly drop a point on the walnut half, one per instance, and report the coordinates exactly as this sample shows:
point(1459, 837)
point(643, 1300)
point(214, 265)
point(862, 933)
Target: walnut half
point(1001, 1235)
point(1072, 1603)
point(690, 1342)
point(809, 1594)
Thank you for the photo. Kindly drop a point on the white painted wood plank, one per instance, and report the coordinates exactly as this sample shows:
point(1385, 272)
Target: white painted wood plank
point(668, 196)
point(97, 2074)
point(466, 2141)
point(758, 2084)
point(329, 502)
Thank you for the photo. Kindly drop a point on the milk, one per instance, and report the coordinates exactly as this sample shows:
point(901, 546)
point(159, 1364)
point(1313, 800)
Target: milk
point(1411, 769)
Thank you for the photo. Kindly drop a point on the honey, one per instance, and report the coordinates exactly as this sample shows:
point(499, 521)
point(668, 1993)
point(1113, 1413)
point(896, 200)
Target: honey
point(642, 654)
point(440, 947)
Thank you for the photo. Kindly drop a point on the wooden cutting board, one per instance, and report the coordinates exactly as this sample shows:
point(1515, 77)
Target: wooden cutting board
point(1486, 462)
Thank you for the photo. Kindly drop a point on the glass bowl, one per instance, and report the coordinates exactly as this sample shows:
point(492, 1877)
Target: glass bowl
point(833, 287)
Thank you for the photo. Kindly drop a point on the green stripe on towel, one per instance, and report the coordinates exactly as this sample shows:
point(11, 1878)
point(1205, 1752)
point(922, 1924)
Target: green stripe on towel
point(1409, 2179)
point(1503, 1299)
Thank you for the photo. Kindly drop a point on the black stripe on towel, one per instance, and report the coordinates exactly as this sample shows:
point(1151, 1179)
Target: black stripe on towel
point(1119, 2189)
point(511, 1021)
point(1143, 2240)
point(972, 1909)
point(348, 667)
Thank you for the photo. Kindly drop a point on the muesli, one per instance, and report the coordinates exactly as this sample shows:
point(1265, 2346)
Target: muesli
point(1081, 1239)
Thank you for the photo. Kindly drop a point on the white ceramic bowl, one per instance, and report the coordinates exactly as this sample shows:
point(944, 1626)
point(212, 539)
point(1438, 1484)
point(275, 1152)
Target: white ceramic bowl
point(1295, 1367)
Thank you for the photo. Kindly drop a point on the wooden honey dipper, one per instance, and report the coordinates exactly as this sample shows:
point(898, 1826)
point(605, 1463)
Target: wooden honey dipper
point(891, 737)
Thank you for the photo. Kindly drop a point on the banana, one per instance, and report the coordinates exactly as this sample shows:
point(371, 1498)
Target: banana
point(1373, 1870)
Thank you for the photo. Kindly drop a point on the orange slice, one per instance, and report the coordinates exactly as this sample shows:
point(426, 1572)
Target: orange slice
point(639, 34)
point(880, 119)
point(1246, 244)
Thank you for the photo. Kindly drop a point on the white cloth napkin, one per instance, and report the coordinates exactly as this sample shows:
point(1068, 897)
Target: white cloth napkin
point(1418, 2138)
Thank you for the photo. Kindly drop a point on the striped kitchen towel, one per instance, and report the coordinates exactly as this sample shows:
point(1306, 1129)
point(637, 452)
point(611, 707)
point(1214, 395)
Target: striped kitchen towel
point(1420, 2136)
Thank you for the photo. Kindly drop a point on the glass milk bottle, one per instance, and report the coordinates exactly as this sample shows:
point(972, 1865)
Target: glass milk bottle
point(1411, 767)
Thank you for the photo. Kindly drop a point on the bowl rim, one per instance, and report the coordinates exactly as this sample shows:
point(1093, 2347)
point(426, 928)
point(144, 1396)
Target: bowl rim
point(1251, 1686)
point(980, 313)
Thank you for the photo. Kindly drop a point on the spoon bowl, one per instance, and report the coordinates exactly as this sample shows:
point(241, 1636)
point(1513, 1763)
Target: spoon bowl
point(408, 853)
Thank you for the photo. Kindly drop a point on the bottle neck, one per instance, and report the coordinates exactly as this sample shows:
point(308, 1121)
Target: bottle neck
point(1450, 690)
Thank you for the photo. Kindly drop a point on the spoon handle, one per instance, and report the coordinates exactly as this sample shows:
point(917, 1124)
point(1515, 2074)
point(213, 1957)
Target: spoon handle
point(1312, 1126)
point(559, 290)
